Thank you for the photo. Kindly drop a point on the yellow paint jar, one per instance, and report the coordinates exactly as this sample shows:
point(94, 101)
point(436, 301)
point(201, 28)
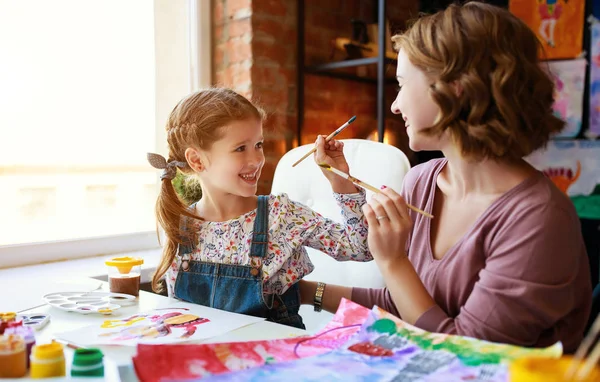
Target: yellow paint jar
point(13, 358)
point(546, 370)
point(47, 360)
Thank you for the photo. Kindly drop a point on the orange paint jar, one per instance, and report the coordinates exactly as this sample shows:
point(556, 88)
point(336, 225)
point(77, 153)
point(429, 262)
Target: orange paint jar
point(13, 357)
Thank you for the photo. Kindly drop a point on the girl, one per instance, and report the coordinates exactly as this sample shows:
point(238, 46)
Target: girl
point(503, 259)
point(233, 250)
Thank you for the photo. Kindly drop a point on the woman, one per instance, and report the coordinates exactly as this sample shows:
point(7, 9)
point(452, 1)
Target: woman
point(503, 259)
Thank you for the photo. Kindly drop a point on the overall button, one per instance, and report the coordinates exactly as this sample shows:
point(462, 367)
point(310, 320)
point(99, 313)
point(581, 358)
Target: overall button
point(185, 265)
point(254, 271)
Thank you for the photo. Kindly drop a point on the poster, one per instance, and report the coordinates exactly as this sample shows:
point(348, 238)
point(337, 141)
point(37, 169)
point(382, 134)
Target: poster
point(574, 167)
point(594, 130)
point(169, 325)
point(557, 23)
point(569, 81)
point(388, 349)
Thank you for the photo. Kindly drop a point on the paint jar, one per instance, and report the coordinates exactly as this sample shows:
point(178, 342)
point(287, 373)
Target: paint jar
point(13, 358)
point(47, 360)
point(87, 363)
point(17, 328)
point(124, 275)
point(546, 370)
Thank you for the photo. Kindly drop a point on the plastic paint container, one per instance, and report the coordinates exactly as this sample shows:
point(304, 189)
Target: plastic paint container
point(13, 358)
point(17, 328)
point(47, 360)
point(546, 370)
point(87, 363)
point(124, 275)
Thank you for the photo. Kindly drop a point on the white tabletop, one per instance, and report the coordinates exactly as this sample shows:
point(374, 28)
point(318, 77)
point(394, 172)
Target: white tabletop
point(118, 365)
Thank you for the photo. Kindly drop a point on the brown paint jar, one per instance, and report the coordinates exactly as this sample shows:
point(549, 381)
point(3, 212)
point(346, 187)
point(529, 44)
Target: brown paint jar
point(124, 275)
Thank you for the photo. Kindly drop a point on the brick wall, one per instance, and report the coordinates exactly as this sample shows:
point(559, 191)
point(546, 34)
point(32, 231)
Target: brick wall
point(255, 52)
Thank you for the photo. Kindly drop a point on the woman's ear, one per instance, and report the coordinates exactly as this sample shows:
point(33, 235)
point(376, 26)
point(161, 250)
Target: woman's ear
point(194, 159)
point(458, 88)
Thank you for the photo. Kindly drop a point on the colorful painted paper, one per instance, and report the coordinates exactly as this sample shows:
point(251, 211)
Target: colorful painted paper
point(557, 23)
point(388, 349)
point(163, 362)
point(160, 326)
point(569, 81)
point(574, 167)
point(594, 129)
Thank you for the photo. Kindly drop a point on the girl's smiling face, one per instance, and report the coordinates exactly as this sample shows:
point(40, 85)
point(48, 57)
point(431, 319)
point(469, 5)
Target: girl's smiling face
point(233, 164)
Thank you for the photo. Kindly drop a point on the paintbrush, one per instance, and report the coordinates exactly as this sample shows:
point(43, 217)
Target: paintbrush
point(367, 186)
point(329, 137)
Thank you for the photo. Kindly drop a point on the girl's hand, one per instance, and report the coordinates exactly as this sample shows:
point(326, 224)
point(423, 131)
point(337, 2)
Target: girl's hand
point(332, 153)
point(389, 227)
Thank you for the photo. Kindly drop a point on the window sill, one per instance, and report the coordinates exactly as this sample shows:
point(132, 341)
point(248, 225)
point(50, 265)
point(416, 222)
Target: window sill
point(28, 281)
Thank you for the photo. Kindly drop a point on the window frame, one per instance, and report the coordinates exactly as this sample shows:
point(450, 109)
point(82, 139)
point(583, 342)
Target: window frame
point(192, 40)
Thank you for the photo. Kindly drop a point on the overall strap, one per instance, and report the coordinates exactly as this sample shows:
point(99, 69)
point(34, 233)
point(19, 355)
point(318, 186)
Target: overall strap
point(260, 237)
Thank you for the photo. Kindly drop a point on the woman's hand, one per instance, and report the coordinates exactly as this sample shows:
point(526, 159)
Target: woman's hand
point(389, 227)
point(332, 153)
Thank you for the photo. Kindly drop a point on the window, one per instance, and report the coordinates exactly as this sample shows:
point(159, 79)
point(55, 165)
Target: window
point(86, 90)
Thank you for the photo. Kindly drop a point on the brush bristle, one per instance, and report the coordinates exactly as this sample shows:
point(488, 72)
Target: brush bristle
point(352, 119)
point(325, 165)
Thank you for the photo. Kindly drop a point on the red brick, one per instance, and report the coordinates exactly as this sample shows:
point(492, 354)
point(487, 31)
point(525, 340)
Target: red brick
point(271, 29)
point(277, 8)
point(238, 28)
point(270, 52)
point(235, 7)
point(218, 12)
point(238, 50)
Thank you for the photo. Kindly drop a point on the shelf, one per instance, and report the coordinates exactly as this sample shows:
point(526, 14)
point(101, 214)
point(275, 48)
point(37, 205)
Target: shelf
point(345, 64)
point(347, 76)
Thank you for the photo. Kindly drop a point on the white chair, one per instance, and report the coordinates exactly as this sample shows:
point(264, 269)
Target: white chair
point(373, 162)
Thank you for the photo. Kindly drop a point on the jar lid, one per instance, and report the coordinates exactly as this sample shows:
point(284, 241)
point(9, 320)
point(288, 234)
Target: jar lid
point(11, 343)
point(7, 316)
point(14, 324)
point(125, 263)
point(48, 351)
point(87, 357)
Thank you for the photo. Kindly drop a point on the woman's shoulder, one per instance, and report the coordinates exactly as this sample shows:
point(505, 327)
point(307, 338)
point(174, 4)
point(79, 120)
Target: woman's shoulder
point(422, 174)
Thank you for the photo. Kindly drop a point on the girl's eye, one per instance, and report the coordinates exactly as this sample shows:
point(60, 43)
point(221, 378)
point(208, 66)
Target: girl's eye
point(259, 145)
point(241, 149)
point(399, 87)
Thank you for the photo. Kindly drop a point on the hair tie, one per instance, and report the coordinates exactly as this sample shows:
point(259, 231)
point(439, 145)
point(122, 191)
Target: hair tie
point(169, 169)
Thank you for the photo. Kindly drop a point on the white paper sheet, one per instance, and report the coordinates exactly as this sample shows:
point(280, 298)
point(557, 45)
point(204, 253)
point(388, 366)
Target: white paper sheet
point(173, 324)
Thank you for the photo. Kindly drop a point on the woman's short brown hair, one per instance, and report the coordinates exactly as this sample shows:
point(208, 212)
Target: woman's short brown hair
point(495, 98)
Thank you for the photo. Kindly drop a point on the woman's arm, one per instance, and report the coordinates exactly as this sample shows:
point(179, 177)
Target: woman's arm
point(331, 297)
point(367, 297)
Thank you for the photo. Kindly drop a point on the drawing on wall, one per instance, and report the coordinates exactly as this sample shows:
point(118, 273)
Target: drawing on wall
point(594, 130)
point(569, 81)
point(557, 23)
point(574, 167)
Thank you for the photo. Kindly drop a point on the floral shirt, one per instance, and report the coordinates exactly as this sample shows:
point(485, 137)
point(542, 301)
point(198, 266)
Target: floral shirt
point(292, 226)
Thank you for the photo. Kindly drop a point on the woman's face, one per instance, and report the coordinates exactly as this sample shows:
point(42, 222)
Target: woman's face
point(415, 104)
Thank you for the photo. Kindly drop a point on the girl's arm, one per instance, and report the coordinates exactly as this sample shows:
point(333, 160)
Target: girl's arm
point(342, 242)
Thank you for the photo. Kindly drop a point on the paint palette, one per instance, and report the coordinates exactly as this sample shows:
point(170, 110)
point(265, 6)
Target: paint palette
point(89, 302)
point(36, 321)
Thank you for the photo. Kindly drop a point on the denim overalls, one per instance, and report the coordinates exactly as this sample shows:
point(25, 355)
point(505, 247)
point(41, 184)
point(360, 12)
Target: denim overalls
point(239, 288)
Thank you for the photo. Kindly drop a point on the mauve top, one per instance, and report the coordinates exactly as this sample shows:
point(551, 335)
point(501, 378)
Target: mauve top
point(520, 275)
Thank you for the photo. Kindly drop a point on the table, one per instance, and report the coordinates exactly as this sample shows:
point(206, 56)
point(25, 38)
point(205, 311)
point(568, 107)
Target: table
point(117, 362)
